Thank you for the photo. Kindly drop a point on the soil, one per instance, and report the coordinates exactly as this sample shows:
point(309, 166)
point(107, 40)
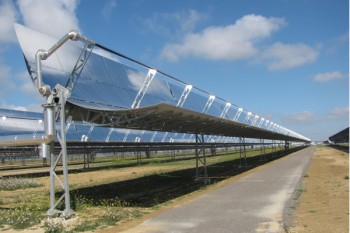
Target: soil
point(324, 202)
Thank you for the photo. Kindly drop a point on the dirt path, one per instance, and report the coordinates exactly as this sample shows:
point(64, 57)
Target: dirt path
point(324, 202)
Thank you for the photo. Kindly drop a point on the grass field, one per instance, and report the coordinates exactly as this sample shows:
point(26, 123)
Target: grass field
point(114, 190)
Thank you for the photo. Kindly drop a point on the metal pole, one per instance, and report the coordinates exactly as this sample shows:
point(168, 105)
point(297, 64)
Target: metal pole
point(204, 161)
point(67, 211)
point(197, 171)
point(49, 124)
point(52, 210)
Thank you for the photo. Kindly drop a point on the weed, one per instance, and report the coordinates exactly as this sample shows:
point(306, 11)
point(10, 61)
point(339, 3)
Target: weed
point(346, 177)
point(137, 213)
point(20, 218)
point(86, 225)
point(10, 184)
point(53, 225)
point(298, 193)
point(112, 215)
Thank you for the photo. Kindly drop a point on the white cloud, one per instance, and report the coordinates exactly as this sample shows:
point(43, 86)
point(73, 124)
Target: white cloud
point(285, 56)
point(108, 9)
point(26, 85)
point(7, 85)
point(54, 17)
point(300, 117)
point(328, 76)
point(338, 113)
point(175, 24)
point(232, 42)
point(8, 15)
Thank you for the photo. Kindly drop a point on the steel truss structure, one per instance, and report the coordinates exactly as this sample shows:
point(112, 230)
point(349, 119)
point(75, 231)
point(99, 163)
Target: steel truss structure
point(201, 161)
point(103, 91)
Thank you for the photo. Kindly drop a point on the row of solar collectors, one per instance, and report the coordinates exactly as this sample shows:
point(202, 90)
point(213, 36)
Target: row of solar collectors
point(14, 123)
point(104, 81)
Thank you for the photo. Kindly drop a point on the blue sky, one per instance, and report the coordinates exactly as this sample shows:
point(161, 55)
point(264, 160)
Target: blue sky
point(282, 59)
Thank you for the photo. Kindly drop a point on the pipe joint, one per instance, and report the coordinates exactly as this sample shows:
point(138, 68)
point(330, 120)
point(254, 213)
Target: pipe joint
point(42, 54)
point(74, 35)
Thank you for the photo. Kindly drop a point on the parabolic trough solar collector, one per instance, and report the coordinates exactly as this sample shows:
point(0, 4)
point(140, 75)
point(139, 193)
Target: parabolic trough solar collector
point(109, 89)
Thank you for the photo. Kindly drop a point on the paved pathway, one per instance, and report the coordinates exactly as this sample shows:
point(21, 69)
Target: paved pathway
point(254, 203)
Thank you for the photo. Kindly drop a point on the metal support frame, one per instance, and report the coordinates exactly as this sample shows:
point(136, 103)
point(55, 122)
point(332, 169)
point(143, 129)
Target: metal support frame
point(180, 103)
point(242, 152)
point(222, 115)
point(261, 122)
point(247, 118)
point(255, 120)
point(286, 145)
point(201, 172)
point(54, 108)
point(138, 152)
point(50, 111)
point(172, 154)
point(137, 101)
point(238, 113)
point(262, 150)
point(206, 108)
point(111, 130)
point(79, 66)
point(172, 151)
point(138, 157)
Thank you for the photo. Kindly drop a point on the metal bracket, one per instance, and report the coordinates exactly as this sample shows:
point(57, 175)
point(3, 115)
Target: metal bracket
point(137, 101)
point(261, 122)
point(238, 113)
point(111, 130)
point(225, 110)
point(79, 66)
point(150, 75)
point(255, 120)
point(246, 120)
point(180, 103)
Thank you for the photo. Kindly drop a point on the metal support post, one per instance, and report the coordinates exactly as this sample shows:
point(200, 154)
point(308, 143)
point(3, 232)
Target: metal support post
point(286, 145)
point(49, 114)
point(262, 150)
point(138, 152)
point(201, 150)
point(172, 150)
point(242, 152)
point(67, 212)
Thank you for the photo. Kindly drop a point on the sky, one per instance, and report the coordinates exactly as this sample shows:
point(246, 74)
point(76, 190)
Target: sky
point(285, 60)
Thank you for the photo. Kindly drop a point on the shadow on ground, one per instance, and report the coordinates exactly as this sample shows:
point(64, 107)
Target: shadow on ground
point(340, 147)
point(151, 190)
